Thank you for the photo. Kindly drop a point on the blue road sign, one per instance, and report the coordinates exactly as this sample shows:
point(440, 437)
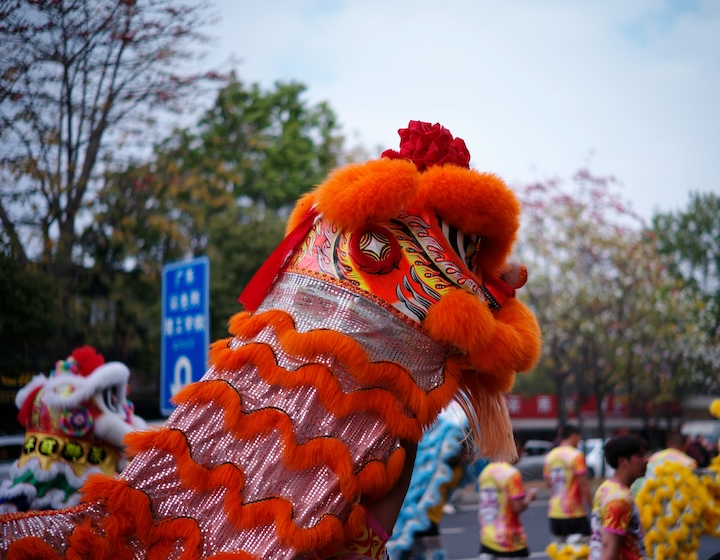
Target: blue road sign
point(185, 327)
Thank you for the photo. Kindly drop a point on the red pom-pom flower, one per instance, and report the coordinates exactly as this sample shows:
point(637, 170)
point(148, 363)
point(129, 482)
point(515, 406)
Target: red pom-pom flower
point(428, 144)
point(88, 359)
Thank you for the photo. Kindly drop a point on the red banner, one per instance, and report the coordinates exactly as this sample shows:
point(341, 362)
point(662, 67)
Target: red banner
point(546, 406)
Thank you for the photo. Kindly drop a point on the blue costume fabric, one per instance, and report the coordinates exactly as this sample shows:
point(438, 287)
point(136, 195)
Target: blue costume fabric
point(437, 455)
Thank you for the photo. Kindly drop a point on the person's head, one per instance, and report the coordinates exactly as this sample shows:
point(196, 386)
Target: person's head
point(627, 454)
point(570, 435)
point(676, 440)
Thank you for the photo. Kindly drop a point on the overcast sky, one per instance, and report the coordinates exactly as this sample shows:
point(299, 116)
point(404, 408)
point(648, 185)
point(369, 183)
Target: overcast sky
point(536, 88)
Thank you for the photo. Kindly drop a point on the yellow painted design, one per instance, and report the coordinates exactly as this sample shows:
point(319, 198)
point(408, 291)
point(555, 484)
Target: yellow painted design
point(78, 454)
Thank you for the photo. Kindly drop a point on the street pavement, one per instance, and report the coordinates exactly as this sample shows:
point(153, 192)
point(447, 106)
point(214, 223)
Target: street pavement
point(461, 535)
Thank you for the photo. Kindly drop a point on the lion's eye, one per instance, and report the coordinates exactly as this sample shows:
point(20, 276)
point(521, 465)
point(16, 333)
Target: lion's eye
point(472, 250)
point(466, 246)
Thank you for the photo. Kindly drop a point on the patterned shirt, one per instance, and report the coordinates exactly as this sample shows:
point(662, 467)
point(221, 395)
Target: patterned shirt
point(669, 454)
point(614, 510)
point(500, 527)
point(561, 468)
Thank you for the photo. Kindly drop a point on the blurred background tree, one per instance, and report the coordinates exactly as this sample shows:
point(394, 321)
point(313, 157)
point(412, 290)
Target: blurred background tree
point(97, 193)
point(221, 188)
point(81, 84)
point(689, 240)
point(617, 318)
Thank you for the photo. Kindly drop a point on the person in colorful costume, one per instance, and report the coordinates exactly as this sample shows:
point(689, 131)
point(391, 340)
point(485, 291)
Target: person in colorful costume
point(440, 464)
point(679, 504)
point(617, 533)
point(565, 472)
point(75, 421)
point(390, 296)
point(674, 452)
point(502, 498)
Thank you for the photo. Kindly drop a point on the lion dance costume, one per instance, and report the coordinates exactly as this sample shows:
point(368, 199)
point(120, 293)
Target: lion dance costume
point(439, 468)
point(390, 296)
point(75, 421)
point(679, 505)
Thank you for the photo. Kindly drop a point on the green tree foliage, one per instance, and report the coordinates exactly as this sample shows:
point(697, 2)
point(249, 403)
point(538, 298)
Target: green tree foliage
point(221, 188)
point(691, 238)
point(614, 320)
point(27, 295)
point(81, 82)
point(269, 146)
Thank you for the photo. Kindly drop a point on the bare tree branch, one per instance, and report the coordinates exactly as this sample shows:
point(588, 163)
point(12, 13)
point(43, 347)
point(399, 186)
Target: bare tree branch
point(75, 77)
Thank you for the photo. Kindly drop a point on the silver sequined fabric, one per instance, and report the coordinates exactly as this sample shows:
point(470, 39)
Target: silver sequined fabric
point(54, 528)
point(315, 304)
point(315, 492)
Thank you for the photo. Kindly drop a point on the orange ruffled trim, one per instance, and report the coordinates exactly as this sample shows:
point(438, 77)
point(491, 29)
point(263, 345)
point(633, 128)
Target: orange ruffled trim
point(83, 543)
point(244, 516)
point(374, 479)
point(402, 390)
point(128, 516)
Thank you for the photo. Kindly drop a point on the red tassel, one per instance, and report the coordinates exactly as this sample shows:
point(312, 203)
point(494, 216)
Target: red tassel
point(259, 285)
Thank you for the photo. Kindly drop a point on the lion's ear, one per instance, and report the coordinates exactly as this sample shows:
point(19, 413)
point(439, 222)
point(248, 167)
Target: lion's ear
point(475, 203)
point(357, 194)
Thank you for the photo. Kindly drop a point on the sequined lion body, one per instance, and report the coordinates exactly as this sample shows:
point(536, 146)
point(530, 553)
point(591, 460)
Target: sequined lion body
point(390, 297)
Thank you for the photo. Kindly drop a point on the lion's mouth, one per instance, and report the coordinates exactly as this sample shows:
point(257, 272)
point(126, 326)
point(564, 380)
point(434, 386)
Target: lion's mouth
point(112, 398)
point(465, 245)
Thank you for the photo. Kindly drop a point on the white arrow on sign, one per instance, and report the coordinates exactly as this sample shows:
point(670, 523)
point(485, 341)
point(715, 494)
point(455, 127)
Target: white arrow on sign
point(182, 364)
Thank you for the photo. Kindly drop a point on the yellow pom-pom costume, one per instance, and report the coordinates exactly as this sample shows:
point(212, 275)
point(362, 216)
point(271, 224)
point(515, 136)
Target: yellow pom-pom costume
point(678, 505)
point(567, 551)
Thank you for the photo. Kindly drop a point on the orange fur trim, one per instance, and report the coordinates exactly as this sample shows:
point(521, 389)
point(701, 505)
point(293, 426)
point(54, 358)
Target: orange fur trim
point(473, 202)
point(373, 478)
point(354, 527)
point(494, 346)
point(499, 343)
point(462, 320)
point(130, 515)
point(85, 542)
point(425, 407)
point(191, 474)
point(516, 345)
point(377, 400)
point(236, 327)
point(374, 191)
point(30, 548)
point(232, 556)
point(327, 451)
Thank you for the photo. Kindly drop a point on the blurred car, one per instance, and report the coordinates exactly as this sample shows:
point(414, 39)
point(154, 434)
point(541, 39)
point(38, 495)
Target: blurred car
point(708, 429)
point(531, 463)
point(10, 450)
point(594, 449)
point(537, 447)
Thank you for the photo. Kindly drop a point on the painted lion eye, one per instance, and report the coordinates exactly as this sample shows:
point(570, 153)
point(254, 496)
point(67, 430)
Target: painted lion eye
point(466, 246)
point(472, 250)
